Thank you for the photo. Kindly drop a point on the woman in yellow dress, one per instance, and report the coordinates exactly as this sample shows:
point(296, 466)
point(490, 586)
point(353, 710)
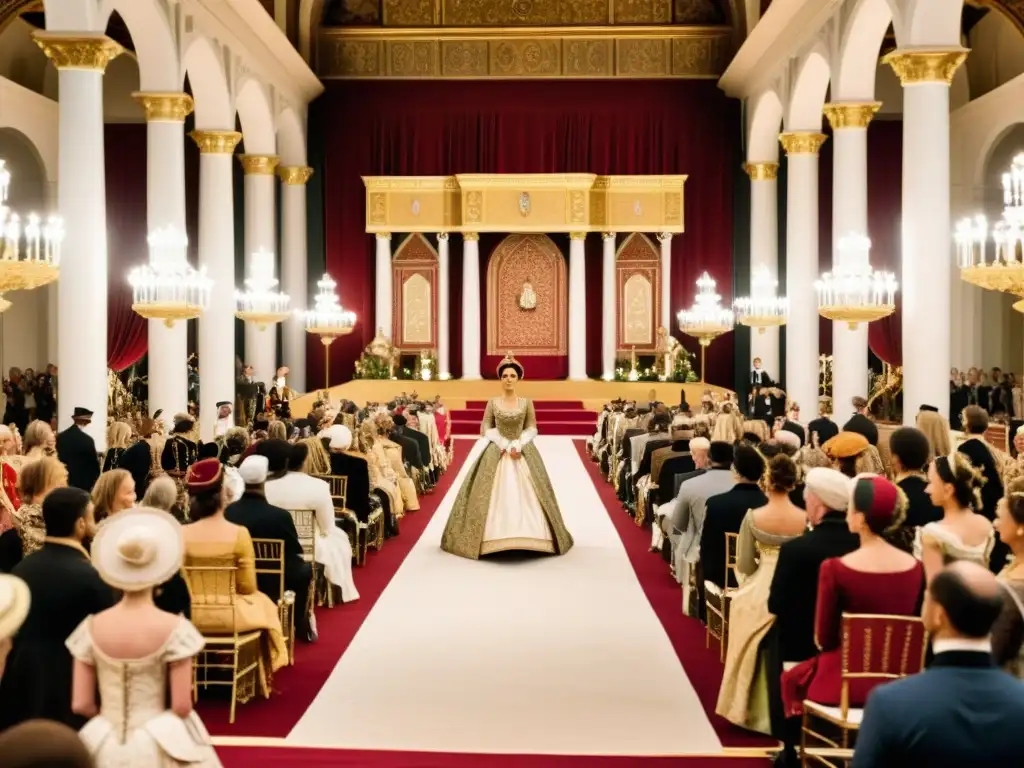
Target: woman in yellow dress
point(506, 501)
point(392, 453)
point(210, 540)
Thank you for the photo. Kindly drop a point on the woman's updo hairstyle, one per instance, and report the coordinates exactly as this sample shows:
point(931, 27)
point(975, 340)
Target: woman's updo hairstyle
point(782, 475)
point(957, 470)
point(1015, 500)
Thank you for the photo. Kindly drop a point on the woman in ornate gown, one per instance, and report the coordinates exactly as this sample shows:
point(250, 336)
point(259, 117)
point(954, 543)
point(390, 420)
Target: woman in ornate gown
point(506, 501)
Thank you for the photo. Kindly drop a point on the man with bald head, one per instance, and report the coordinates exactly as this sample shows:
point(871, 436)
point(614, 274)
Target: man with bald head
point(963, 710)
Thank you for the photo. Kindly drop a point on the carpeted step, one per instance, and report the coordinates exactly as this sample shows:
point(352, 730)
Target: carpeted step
point(562, 414)
point(570, 428)
point(539, 405)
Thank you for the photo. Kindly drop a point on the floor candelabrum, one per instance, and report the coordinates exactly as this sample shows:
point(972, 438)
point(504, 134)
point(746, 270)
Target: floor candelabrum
point(328, 320)
point(707, 319)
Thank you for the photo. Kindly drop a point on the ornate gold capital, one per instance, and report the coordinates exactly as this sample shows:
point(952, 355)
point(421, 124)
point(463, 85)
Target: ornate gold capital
point(165, 107)
point(762, 171)
point(259, 165)
point(925, 66)
point(851, 114)
point(216, 142)
point(802, 142)
point(78, 51)
point(577, 235)
point(470, 236)
point(607, 235)
point(296, 175)
point(384, 236)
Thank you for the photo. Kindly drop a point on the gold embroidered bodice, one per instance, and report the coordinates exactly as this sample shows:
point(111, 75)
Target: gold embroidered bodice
point(510, 423)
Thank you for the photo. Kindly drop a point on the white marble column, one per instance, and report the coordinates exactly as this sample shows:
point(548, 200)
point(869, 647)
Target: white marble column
point(82, 287)
point(217, 255)
point(849, 123)
point(577, 306)
point(926, 245)
point(802, 266)
point(384, 295)
point(665, 239)
point(294, 269)
point(165, 207)
point(260, 234)
point(471, 306)
point(443, 365)
point(764, 250)
point(608, 317)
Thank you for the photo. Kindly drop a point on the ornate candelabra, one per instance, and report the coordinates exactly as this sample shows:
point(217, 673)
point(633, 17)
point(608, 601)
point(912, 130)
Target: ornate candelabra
point(168, 288)
point(328, 320)
point(763, 309)
point(260, 303)
point(29, 251)
point(853, 292)
point(707, 319)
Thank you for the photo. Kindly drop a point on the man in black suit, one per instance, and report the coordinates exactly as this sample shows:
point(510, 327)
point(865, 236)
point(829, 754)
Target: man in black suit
point(410, 449)
point(961, 711)
point(65, 589)
point(909, 451)
point(348, 464)
point(860, 422)
point(823, 426)
point(138, 458)
point(983, 458)
point(412, 429)
point(265, 521)
point(77, 449)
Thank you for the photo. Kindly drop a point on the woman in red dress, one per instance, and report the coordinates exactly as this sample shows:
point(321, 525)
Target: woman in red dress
point(876, 578)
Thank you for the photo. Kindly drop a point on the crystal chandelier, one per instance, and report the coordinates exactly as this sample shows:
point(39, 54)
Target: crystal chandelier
point(707, 319)
point(168, 288)
point(29, 251)
point(328, 320)
point(854, 293)
point(1006, 270)
point(763, 309)
point(260, 303)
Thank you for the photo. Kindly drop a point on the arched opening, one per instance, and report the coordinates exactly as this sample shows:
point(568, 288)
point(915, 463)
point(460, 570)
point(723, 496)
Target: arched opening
point(763, 133)
point(809, 90)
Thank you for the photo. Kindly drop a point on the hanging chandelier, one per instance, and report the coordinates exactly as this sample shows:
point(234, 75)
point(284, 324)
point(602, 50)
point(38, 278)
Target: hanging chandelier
point(854, 293)
point(260, 303)
point(1006, 270)
point(707, 319)
point(328, 320)
point(29, 250)
point(168, 288)
point(763, 309)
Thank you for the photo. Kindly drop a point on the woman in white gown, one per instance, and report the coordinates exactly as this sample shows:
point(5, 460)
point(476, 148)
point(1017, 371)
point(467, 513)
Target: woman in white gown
point(132, 725)
point(506, 501)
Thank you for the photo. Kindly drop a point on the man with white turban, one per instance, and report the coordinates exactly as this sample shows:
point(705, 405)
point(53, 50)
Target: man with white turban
point(351, 464)
point(794, 591)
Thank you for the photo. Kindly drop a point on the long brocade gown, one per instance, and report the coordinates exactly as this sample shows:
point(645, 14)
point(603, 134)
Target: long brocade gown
point(506, 503)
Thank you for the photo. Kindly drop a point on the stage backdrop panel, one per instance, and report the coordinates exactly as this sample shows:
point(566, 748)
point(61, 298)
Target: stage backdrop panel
point(414, 296)
point(638, 294)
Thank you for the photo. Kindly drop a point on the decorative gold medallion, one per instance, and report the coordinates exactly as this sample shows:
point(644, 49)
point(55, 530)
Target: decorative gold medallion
point(524, 203)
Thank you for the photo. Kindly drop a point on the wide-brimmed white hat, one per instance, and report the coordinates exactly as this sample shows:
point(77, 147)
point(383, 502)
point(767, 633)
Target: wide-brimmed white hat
point(138, 548)
point(14, 602)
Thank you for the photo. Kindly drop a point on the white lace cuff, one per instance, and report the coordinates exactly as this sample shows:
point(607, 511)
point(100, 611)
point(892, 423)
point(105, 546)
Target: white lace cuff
point(495, 437)
point(527, 437)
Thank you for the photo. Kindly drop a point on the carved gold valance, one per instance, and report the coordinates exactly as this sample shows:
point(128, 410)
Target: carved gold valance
point(478, 53)
point(524, 203)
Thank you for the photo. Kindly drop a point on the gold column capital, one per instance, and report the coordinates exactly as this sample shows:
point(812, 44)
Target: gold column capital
point(577, 235)
point(78, 51)
point(296, 175)
point(259, 165)
point(802, 142)
point(165, 107)
point(442, 237)
point(216, 142)
point(664, 237)
point(383, 235)
point(607, 235)
point(470, 236)
point(925, 65)
point(762, 171)
point(851, 114)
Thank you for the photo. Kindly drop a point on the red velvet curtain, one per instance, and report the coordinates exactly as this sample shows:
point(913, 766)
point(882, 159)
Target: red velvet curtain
point(440, 128)
point(125, 162)
point(885, 205)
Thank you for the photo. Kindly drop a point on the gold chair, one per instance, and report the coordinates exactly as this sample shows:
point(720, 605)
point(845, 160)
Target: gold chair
point(357, 533)
point(339, 489)
point(270, 560)
point(214, 589)
point(308, 530)
point(875, 648)
point(716, 600)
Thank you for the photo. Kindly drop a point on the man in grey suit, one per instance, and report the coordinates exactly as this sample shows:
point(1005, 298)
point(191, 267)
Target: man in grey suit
point(962, 711)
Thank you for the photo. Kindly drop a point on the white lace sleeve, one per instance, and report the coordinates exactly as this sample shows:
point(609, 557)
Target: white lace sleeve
point(79, 642)
point(185, 642)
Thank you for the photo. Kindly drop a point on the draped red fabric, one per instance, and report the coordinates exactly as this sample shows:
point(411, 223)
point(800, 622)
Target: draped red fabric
point(125, 162)
point(441, 128)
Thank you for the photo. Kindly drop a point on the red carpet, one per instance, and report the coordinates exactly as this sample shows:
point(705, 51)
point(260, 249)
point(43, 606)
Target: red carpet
point(253, 757)
point(702, 665)
point(554, 417)
point(295, 687)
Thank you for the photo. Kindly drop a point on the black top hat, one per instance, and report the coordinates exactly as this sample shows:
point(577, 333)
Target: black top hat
point(81, 413)
point(222, 403)
point(931, 408)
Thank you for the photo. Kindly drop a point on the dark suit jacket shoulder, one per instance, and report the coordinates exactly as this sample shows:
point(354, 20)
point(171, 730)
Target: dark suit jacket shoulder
point(862, 425)
point(725, 513)
point(77, 450)
point(265, 521)
point(824, 427)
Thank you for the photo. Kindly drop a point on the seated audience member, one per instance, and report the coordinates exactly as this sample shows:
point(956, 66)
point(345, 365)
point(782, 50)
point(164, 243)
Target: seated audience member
point(875, 578)
point(114, 492)
point(411, 454)
point(794, 590)
point(14, 602)
point(64, 588)
point(990, 462)
point(142, 457)
point(171, 596)
point(1008, 632)
point(39, 441)
point(35, 483)
point(908, 450)
point(963, 710)
point(676, 469)
point(742, 699)
point(821, 429)
point(861, 422)
point(119, 438)
point(852, 454)
point(289, 488)
point(936, 429)
point(263, 520)
point(351, 465)
point(43, 744)
point(210, 538)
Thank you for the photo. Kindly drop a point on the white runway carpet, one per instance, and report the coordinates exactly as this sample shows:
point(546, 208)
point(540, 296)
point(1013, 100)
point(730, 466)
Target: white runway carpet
point(557, 655)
